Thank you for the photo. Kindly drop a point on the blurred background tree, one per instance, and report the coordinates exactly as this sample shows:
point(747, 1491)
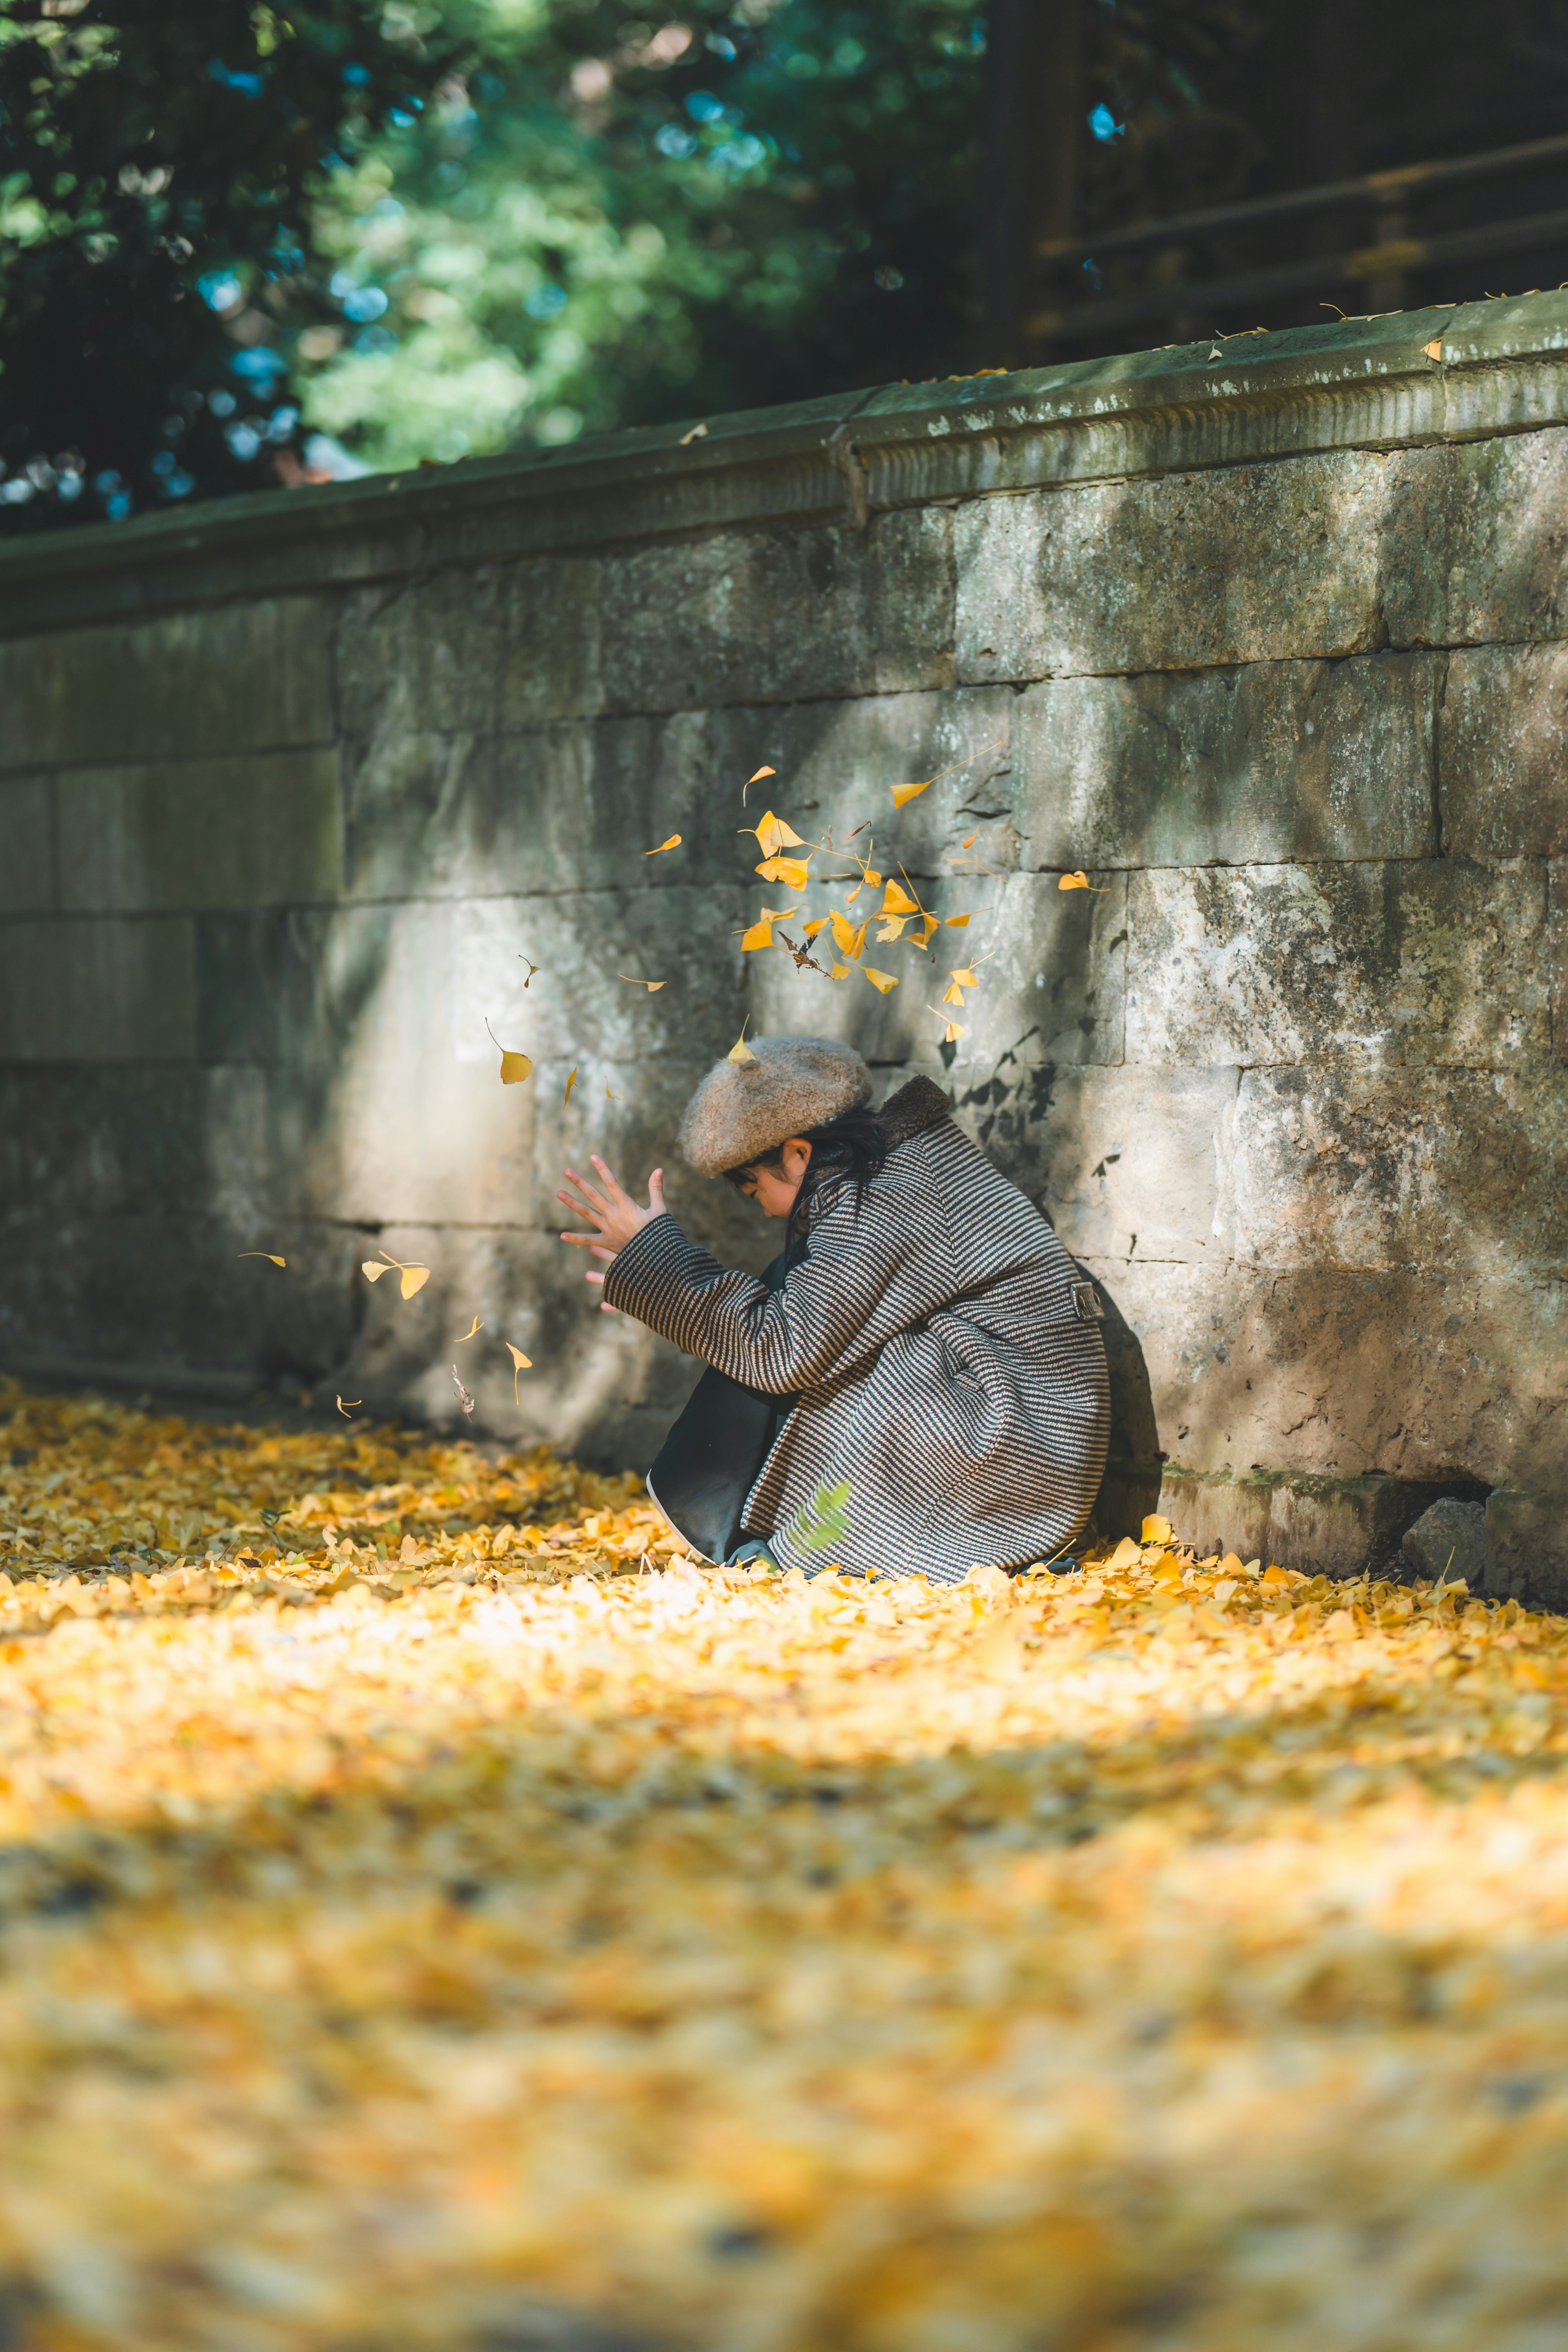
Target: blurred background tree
point(250, 243)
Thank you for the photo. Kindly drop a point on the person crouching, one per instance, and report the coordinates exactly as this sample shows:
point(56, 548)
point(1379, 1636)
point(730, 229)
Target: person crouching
point(923, 1336)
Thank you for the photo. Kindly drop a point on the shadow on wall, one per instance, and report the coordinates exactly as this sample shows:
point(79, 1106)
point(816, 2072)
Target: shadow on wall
point(1130, 1490)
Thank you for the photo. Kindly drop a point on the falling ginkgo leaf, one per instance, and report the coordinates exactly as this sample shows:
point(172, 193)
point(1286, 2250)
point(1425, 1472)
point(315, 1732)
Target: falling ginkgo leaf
point(1079, 882)
point(609, 1096)
point(1433, 350)
point(740, 1051)
point(772, 833)
point(532, 968)
point(817, 923)
point(673, 842)
point(881, 981)
point(414, 1276)
point(904, 793)
point(570, 1083)
point(761, 934)
point(899, 902)
point(969, 842)
point(520, 1363)
point(848, 938)
point(475, 1326)
point(755, 780)
point(343, 1408)
point(957, 922)
point(840, 971)
point(651, 985)
point(952, 993)
point(464, 1399)
point(964, 975)
point(514, 1068)
point(792, 872)
point(270, 1256)
point(951, 1032)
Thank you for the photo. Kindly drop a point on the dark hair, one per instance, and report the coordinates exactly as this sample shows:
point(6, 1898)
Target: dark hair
point(852, 1148)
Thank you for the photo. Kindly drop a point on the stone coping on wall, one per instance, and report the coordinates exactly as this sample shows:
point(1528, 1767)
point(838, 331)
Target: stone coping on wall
point(1449, 372)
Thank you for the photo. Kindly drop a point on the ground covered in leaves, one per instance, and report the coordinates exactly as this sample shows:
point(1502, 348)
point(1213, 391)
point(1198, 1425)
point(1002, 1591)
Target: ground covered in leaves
point(434, 1913)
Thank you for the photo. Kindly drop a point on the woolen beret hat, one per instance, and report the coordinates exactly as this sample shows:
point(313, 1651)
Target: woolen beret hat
point(743, 1108)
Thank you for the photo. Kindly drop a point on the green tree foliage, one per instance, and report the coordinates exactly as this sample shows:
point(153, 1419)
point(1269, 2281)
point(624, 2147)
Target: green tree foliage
point(159, 162)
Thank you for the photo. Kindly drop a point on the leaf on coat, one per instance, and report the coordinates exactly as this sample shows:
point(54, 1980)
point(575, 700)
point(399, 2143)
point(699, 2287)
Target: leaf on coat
point(740, 1051)
point(673, 842)
point(475, 1326)
point(514, 1068)
point(343, 1408)
point(570, 1084)
point(520, 1363)
point(792, 872)
point(270, 1256)
point(881, 981)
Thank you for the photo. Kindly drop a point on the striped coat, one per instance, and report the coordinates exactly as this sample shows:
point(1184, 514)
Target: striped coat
point(936, 1351)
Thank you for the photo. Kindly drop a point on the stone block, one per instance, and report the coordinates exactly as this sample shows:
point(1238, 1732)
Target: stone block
point(1427, 962)
point(137, 1141)
point(549, 630)
point(256, 982)
point(1527, 1546)
point(773, 616)
point(1240, 564)
point(1441, 1167)
point(1126, 1163)
point(837, 764)
point(27, 830)
point(1048, 966)
point(1475, 546)
point(1241, 766)
point(166, 836)
point(229, 678)
point(1441, 1378)
point(1320, 1527)
point(425, 656)
point(1502, 764)
point(1448, 1543)
point(101, 990)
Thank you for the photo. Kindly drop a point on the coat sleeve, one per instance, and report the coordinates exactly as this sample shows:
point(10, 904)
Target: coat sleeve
point(867, 1277)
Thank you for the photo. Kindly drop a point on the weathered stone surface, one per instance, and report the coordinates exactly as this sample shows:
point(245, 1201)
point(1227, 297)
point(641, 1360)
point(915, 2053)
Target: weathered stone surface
point(468, 650)
point(1241, 565)
point(1526, 1544)
point(1501, 754)
point(1429, 962)
point(1448, 1167)
point(101, 990)
point(771, 617)
point(1475, 541)
point(27, 828)
point(1557, 953)
point(236, 678)
point(1449, 1540)
point(1327, 1527)
point(1241, 766)
point(137, 1140)
point(174, 836)
point(1423, 1375)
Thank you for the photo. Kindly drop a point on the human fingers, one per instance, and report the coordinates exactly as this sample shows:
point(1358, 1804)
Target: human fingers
point(656, 1192)
point(584, 1241)
point(581, 1206)
point(588, 1191)
point(610, 1180)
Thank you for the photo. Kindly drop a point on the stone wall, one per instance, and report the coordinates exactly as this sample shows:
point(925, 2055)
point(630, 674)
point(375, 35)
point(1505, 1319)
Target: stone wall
point(1272, 638)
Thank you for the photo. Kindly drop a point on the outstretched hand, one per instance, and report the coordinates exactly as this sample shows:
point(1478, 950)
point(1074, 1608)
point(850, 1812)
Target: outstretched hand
point(613, 1211)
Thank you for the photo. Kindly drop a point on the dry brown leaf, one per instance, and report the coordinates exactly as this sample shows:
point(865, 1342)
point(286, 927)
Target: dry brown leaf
point(464, 1399)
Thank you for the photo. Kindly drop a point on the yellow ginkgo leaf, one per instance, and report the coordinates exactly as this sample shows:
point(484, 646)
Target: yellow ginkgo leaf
point(964, 975)
point(952, 993)
point(848, 938)
point(649, 984)
point(520, 1363)
point(881, 981)
point(270, 1256)
point(893, 928)
point(514, 1068)
point(871, 879)
point(373, 1269)
point(897, 901)
point(951, 1032)
point(854, 894)
point(475, 1326)
point(1433, 350)
point(957, 922)
point(1157, 1530)
point(343, 1408)
point(415, 1278)
point(570, 1083)
point(929, 923)
point(841, 971)
point(792, 872)
point(740, 1051)
point(1079, 882)
point(817, 923)
point(761, 934)
point(904, 793)
point(969, 842)
point(673, 842)
point(772, 832)
point(609, 1096)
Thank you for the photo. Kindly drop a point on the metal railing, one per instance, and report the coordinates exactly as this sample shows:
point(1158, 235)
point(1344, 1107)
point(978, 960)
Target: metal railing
point(1377, 267)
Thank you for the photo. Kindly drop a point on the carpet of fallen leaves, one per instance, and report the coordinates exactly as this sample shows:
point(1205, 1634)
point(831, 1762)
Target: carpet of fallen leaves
point(436, 1914)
